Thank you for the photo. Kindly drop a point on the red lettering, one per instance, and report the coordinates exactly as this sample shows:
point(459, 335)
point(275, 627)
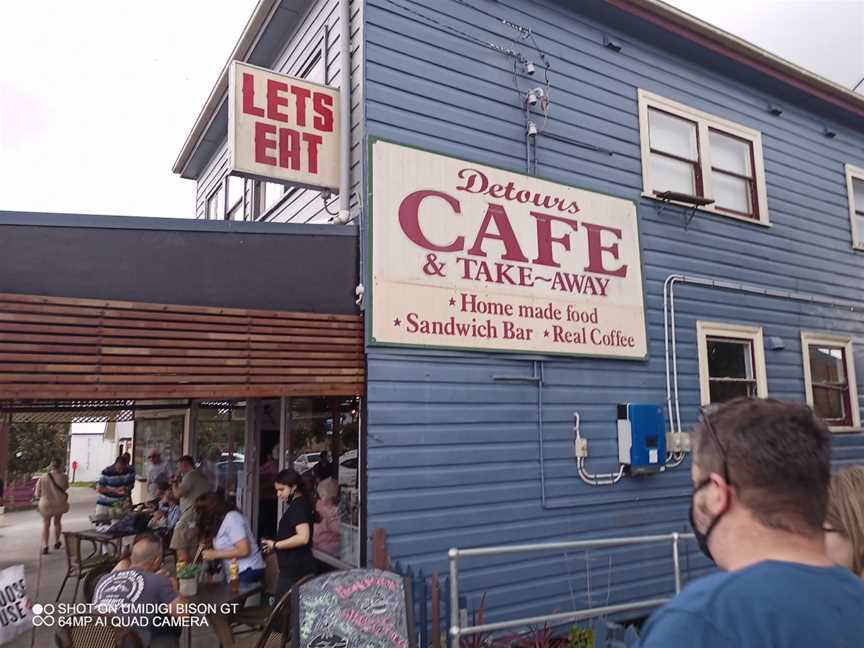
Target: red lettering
point(322, 104)
point(512, 251)
point(545, 239)
point(301, 95)
point(249, 106)
point(263, 143)
point(275, 99)
point(289, 148)
point(596, 250)
point(409, 220)
point(312, 143)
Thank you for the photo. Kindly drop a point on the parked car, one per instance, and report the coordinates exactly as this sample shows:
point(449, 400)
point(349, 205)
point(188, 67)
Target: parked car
point(306, 461)
point(348, 464)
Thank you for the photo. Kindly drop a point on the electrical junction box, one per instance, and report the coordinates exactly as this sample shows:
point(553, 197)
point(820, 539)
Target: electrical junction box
point(641, 437)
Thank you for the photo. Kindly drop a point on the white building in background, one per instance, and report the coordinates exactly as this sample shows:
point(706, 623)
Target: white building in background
point(94, 446)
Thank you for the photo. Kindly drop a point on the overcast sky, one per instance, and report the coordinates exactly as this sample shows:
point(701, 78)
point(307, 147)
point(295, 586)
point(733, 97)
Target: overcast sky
point(97, 96)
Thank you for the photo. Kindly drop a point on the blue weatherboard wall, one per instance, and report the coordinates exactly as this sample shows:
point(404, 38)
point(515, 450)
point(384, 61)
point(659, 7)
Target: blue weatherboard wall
point(453, 455)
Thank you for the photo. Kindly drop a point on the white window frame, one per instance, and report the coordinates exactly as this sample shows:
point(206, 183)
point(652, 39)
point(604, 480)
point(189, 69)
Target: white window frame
point(704, 330)
point(812, 338)
point(218, 188)
point(704, 121)
point(858, 174)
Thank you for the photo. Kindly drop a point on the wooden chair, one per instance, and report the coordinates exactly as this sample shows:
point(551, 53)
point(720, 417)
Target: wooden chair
point(78, 565)
point(96, 636)
point(255, 616)
point(91, 579)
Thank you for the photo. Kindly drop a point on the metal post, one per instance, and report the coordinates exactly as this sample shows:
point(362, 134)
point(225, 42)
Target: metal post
point(676, 561)
point(453, 556)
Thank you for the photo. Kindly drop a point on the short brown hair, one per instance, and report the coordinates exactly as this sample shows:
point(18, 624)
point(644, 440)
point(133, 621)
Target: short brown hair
point(846, 510)
point(778, 457)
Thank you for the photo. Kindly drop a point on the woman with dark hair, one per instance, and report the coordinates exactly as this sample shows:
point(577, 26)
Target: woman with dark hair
point(225, 535)
point(293, 543)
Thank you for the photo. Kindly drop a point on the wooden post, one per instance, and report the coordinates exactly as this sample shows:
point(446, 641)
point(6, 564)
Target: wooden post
point(436, 611)
point(380, 559)
point(5, 428)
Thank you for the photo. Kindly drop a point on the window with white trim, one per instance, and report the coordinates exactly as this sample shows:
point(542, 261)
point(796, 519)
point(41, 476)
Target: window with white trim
point(855, 186)
point(234, 191)
point(215, 208)
point(829, 379)
point(731, 362)
point(691, 152)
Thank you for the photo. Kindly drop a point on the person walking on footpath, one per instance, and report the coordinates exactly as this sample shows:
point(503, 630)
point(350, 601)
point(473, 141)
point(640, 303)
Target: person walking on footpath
point(51, 490)
point(760, 472)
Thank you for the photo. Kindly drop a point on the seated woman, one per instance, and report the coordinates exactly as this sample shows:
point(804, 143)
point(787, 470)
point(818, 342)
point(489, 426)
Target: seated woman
point(844, 522)
point(224, 534)
point(167, 510)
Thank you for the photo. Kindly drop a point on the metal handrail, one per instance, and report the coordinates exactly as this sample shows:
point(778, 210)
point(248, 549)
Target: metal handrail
point(454, 555)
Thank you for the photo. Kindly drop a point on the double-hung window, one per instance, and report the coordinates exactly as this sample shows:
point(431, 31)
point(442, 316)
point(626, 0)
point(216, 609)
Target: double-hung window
point(855, 184)
point(829, 380)
point(731, 362)
point(687, 151)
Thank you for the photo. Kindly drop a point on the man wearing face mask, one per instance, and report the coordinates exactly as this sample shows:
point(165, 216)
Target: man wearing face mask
point(760, 475)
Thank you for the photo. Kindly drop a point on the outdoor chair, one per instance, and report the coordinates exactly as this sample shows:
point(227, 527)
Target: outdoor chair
point(78, 565)
point(269, 636)
point(93, 576)
point(96, 636)
point(255, 616)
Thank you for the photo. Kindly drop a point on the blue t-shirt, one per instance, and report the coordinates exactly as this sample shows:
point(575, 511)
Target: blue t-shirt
point(768, 605)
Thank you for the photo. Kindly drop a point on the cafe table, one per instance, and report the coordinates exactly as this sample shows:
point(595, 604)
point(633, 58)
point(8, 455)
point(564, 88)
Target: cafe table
point(218, 594)
point(112, 542)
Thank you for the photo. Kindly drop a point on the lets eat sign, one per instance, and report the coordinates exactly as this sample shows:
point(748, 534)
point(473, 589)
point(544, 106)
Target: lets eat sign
point(282, 129)
point(474, 257)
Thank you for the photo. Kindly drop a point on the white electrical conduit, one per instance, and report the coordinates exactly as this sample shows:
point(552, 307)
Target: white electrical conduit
point(593, 479)
point(344, 109)
point(720, 284)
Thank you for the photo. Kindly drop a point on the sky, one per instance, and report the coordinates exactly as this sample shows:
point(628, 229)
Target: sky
point(97, 96)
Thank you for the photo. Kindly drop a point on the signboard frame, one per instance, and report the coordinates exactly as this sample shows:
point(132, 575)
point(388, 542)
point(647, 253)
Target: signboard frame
point(370, 270)
point(232, 148)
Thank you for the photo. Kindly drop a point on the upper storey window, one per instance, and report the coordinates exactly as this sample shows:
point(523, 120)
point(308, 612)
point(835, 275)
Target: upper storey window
point(855, 184)
point(687, 151)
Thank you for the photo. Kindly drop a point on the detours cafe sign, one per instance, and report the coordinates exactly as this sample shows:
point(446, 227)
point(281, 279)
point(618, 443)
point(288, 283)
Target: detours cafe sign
point(474, 257)
point(282, 129)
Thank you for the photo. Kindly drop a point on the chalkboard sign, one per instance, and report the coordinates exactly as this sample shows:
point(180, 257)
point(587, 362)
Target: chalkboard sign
point(355, 608)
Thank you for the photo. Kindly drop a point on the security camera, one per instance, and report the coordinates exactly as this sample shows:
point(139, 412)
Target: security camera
point(534, 96)
point(531, 99)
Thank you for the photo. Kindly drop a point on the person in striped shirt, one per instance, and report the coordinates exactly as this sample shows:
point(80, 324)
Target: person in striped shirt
point(115, 485)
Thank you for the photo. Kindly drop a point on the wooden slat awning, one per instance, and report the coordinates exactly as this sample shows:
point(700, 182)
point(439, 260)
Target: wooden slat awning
point(63, 348)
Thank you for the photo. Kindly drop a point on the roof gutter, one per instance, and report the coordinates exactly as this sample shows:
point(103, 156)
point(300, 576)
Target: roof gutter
point(260, 17)
point(724, 43)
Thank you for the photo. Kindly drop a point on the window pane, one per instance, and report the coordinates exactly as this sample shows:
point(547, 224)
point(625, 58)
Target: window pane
point(859, 223)
point(858, 193)
point(826, 365)
point(721, 391)
point(315, 73)
point(730, 154)
point(829, 403)
point(672, 135)
point(672, 175)
point(732, 193)
point(216, 204)
point(235, 189)
point(272, 193)
point(730, 359)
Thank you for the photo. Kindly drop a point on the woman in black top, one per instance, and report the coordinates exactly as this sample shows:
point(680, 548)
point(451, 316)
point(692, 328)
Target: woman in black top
point(293, 543)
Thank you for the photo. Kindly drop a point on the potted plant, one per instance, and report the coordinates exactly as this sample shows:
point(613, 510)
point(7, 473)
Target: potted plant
point(187, 577)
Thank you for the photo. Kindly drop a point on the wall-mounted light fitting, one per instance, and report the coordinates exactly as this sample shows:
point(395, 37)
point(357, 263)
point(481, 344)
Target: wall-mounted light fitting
point(774, 109)
point(829, 132)
point(529, 67)
point(532, 128)
point(534, 96)
point(611, 43)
